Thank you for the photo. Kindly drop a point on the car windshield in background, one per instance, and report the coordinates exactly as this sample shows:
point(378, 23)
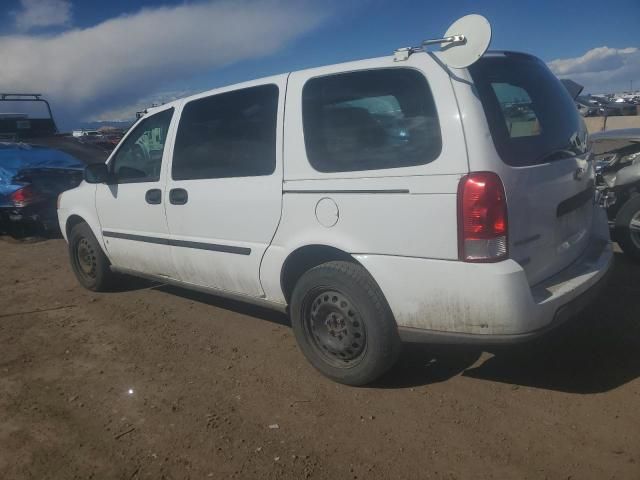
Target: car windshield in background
point(531, 116)
point(25, 116)
point(30, 109)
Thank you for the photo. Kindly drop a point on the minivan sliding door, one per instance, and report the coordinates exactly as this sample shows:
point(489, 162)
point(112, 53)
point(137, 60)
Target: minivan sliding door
point(225, 186)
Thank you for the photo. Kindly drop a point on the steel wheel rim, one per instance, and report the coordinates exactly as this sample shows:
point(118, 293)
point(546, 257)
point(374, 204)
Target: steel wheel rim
point(335, 328)
point(634, 229)
point(85, 256)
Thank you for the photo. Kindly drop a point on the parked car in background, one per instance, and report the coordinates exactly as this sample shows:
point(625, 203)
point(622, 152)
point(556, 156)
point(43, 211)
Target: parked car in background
point(85, 133)
point(618, 183)
point(588, 108)
point(615, 108)
point(104, 138)
point(31, 178)
point(36, 164)
point(628, 100)
point(375, 201)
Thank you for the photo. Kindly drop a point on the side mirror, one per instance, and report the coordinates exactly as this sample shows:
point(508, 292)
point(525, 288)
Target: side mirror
point(96, 173)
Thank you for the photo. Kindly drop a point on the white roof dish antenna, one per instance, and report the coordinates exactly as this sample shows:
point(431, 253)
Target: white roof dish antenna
point(464, 42)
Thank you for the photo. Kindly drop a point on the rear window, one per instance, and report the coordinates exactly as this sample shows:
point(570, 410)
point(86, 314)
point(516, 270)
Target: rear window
point(370, 120)
point(532, 117)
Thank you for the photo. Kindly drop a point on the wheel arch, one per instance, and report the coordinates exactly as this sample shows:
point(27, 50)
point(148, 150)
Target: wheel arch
point(76, 218)
point(628, 207)
point(72, 221)
point(305, 258)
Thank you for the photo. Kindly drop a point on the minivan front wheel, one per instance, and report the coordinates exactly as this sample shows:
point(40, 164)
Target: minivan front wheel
point(343, 324)
point(89, 263)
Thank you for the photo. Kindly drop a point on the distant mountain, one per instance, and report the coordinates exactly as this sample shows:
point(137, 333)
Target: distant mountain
point(97, 125)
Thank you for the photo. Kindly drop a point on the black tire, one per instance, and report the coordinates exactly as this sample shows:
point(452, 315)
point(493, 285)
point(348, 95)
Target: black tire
point(343, 323)
point(89, 263)
point(627, 234)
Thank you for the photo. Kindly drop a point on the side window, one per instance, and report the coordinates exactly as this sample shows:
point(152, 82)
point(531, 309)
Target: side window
point(228, 135)
point(370, 120)
point(139, 158)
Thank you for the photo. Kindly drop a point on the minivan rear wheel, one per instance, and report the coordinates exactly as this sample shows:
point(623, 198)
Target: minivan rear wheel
point(90, 265)
point(343, 324)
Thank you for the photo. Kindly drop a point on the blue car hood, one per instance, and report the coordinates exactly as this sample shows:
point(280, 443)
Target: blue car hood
point(17, 157)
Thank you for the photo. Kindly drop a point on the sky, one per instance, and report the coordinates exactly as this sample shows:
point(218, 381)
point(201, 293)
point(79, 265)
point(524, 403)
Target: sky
point(104, 60)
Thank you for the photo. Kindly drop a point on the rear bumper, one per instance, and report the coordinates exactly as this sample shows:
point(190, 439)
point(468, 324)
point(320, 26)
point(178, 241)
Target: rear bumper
point(40, 214)
point(437, 301)
point(563, 314)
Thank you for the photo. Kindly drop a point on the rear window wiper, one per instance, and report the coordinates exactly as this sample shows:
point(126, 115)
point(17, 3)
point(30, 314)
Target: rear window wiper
point(554, 155)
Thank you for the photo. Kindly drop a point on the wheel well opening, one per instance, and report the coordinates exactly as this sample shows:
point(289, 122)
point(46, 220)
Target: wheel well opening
point(304, 259)
point(72, 221)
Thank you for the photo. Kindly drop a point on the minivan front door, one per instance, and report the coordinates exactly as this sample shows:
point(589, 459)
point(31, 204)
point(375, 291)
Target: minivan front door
point(224, 190)
point(131, 206)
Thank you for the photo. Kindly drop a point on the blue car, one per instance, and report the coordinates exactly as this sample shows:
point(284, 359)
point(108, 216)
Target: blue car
point(37, 163)
point(31, 178)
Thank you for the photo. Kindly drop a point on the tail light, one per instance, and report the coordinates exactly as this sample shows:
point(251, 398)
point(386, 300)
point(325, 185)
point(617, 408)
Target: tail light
point(482, 218)
point(23, 196)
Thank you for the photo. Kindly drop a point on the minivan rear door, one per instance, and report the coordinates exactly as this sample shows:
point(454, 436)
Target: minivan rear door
point(543, 159)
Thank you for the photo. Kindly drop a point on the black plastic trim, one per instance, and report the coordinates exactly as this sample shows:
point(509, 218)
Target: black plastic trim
point(178, 196)
point(577, 201)
point(399, 190)
point(211, 247)
point(179, 243)
point(136, 238)
point(153, 196)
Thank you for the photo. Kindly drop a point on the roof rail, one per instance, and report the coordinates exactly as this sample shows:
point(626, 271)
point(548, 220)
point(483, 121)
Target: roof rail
point(36, 96)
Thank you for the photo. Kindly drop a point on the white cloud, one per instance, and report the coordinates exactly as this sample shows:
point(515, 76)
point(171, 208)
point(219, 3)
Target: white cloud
point(42, 13)
point(128, 58)
point(127, 112)
point(601, 69)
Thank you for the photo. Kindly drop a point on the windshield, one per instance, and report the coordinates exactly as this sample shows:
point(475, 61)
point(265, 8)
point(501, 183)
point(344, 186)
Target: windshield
point(25, 117)
point(532, 117)
point(24, 109)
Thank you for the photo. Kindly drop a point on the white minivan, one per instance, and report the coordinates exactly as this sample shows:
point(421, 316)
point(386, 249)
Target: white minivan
point(376, 202)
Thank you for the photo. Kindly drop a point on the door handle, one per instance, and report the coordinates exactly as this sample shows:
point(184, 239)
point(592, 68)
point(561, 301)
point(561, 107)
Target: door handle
point(178, 196)
point(153, 196)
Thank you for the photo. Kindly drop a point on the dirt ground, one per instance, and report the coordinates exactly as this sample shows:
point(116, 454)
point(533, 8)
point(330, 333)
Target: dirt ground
point(155, 382)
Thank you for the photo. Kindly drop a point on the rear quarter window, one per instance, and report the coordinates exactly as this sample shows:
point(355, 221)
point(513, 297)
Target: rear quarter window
point(370, 120)
point(532, 118)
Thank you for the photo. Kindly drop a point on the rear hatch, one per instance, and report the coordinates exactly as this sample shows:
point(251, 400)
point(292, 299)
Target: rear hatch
point(545, 164)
